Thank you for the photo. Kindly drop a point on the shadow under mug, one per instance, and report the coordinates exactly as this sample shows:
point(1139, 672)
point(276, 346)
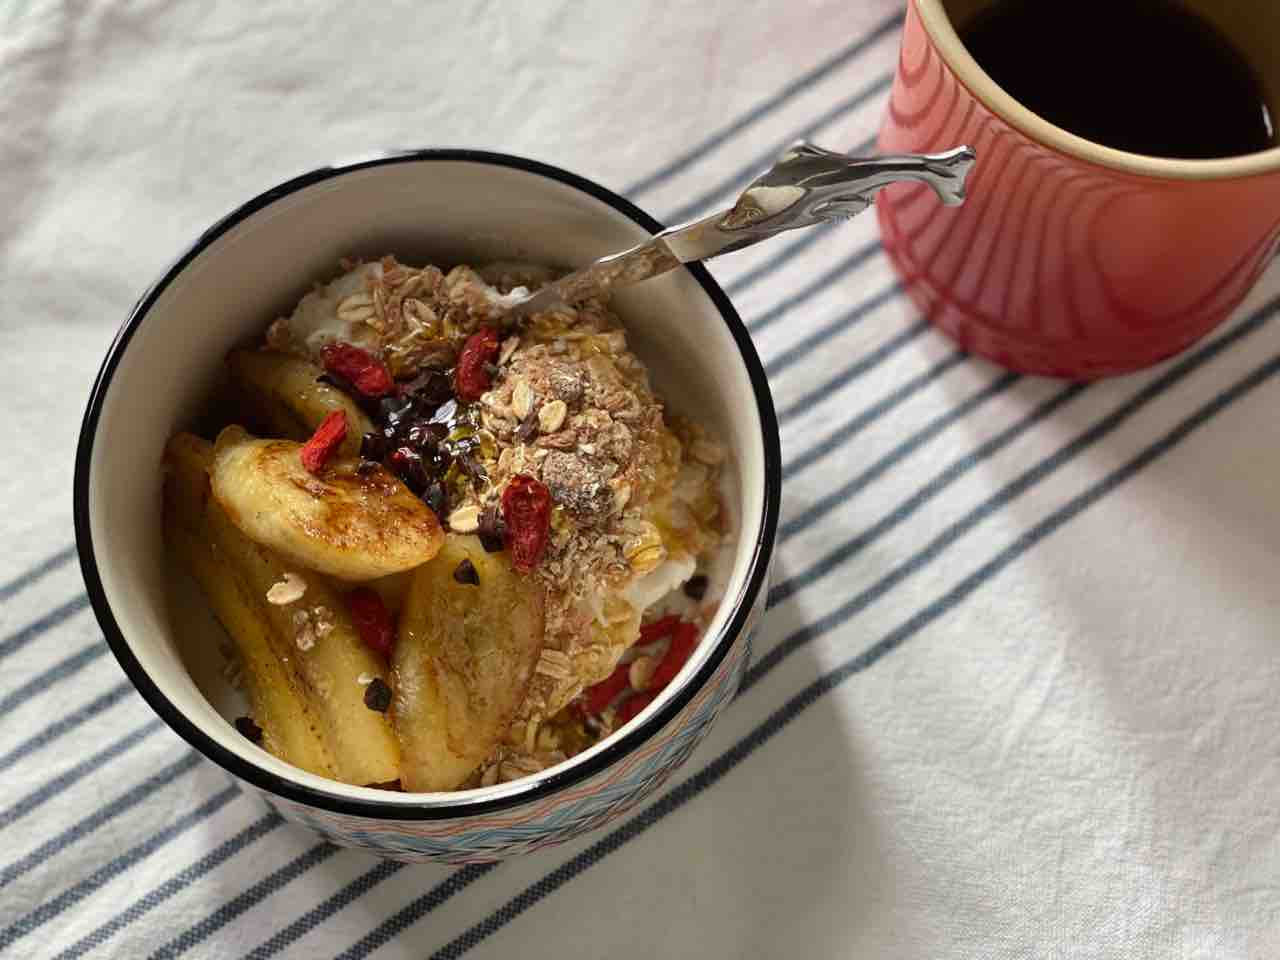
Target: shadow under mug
point(1069, 258)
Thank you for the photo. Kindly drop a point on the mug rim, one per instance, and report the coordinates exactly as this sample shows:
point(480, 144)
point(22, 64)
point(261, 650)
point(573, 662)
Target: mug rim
point(527, 789)
point(946, 41)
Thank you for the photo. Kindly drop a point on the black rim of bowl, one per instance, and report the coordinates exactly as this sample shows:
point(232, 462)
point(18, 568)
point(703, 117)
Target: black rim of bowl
point(536, 786)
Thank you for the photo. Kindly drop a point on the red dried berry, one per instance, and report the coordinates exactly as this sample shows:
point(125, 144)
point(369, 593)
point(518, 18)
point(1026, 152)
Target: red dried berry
point(327, 438)
point(603, 693)
point(471, 379)
point(371, 619)
point(632, 706)
point(526, 511)
point(650, 632)
point(683, 640)
point(358, 367)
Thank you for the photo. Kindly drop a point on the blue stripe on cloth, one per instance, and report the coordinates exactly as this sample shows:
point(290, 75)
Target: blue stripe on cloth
point(864, 364)
point(16, 641)
point(67, 778)
point(804, 348)
point(809, 290)
point(865, 418)
point(763, 109)
point(807, 239)
point(400, 921)
point(59, 671)
point(838, 495)
point(953, 472)
point(908, 507)
point(880, 467)
point(738, 180)
point(319, 914)
point(49, 909)
point(103, 814)
point(174, 885)
point(46, 566)
point(899, 394)
point(832, 441)
point(797, 704)
point(239, 904)
point(65, 724)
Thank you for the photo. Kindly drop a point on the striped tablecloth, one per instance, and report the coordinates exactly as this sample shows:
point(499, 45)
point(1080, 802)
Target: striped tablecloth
point(1017, 692)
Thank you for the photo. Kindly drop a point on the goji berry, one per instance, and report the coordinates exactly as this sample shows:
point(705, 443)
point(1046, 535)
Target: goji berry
point(683, 639)
point(633, 705)
point(526, 511)
point(358, 367)
point(603, 693)
point(327, 438)
point(470, 378)
point(371, 619)
point(650, 632)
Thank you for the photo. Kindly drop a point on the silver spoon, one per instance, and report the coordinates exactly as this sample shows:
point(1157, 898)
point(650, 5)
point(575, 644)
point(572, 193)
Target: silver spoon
point(807, 186)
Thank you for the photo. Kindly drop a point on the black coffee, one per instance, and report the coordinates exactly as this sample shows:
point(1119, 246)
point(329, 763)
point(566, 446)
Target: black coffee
point(1147, 76)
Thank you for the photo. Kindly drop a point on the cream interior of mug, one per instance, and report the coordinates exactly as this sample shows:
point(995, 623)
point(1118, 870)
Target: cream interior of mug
point(443, 212)
point(1252, 25)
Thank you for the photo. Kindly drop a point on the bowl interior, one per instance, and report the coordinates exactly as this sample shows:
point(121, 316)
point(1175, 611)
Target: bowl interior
point(256, 265)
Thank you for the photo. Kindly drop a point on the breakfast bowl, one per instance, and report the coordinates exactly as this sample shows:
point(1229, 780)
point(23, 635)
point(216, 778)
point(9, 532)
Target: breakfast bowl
point(440, 207)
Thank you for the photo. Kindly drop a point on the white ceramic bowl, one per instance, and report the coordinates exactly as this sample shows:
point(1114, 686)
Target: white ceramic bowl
point(443, 207)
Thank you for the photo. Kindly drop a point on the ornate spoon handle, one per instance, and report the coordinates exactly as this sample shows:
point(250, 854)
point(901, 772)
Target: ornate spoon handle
point(807, 185)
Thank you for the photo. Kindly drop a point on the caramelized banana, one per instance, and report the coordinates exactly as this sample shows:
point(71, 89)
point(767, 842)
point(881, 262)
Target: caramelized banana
point(284, 392)
point(462, 661)
point(304, 661)
point(353, 525)
point(289, 730)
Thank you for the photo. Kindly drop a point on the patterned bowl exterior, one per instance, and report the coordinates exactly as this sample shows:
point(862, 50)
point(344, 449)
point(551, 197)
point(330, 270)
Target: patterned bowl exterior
point(1055, 265)
point(562, 816)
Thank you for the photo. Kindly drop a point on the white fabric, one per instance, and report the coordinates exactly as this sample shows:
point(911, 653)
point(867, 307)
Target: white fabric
point(1075, 758)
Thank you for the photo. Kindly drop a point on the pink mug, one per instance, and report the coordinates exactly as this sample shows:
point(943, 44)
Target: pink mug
point(1070, 258)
